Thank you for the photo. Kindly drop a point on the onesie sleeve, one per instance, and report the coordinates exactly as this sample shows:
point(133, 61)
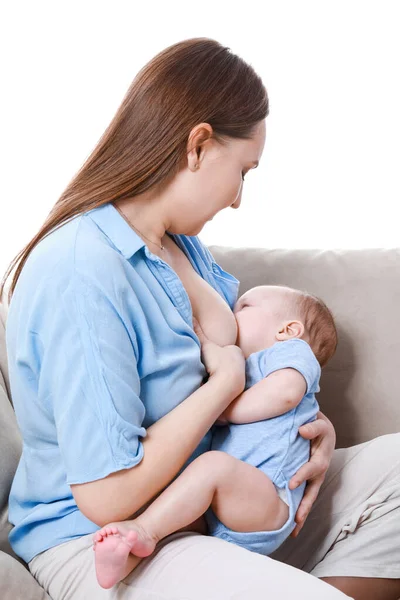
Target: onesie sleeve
point(89, 381)
point(293, 354)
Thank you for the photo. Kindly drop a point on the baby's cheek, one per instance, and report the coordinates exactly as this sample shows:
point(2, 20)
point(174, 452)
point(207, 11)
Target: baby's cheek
point(240, 329)
point(256, 333)
point(247, 327)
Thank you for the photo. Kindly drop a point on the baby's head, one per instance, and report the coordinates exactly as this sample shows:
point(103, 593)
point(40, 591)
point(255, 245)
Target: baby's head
point(269, 313)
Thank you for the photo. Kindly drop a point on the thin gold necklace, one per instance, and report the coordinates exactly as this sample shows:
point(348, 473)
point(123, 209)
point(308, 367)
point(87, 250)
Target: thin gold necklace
point(136, 229)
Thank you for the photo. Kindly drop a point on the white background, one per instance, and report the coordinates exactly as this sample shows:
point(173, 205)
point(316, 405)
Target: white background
point(329, 175)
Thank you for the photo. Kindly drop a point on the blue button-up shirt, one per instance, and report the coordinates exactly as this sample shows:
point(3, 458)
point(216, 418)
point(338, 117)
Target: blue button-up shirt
point(100, 346)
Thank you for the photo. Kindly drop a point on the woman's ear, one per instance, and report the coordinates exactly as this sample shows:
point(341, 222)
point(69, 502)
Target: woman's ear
point(198, 137)
point(289, 330)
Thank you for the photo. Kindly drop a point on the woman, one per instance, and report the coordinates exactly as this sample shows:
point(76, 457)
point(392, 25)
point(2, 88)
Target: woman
point(105, 367)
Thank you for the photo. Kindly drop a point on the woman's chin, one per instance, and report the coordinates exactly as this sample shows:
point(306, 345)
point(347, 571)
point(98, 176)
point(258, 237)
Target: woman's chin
point(188, 230)
point(196, 230)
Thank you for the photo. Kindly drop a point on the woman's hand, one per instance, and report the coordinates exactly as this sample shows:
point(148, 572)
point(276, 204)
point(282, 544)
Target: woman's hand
point(225, 361)
point(323, 439)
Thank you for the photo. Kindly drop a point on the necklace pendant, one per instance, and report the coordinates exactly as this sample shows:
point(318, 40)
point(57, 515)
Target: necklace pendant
point(162, 247)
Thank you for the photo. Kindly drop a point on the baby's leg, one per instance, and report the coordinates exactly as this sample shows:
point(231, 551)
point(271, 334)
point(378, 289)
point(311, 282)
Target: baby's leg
point(244, 498)
point(241, 496)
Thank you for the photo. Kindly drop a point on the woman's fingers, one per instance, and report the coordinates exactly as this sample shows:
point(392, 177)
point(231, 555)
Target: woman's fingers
point(305, 506)
point(322, 436)
point(310, 470)
point(314, 429)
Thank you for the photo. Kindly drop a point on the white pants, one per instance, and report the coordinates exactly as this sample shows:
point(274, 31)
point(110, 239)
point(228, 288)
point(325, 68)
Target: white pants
point(352, 530)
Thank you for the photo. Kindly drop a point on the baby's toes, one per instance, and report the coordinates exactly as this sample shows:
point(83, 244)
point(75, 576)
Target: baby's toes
point(98, 536)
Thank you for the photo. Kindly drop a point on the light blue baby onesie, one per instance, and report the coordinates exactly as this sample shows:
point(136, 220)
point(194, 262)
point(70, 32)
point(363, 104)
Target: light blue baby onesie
point(273, 445)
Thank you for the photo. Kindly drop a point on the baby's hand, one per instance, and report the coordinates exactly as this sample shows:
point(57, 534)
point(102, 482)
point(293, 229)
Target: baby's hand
point(226, 362)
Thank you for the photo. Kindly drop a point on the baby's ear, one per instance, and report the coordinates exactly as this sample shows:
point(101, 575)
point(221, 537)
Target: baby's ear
point(289, 330)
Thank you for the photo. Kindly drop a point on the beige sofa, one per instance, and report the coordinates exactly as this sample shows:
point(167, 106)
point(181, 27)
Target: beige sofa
point(359, 388)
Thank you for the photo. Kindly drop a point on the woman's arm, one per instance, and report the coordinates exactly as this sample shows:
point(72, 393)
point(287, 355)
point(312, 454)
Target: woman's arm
point(169, 442)
point(274, 395)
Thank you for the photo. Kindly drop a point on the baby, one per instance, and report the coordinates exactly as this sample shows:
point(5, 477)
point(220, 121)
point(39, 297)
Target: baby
point(241, 487)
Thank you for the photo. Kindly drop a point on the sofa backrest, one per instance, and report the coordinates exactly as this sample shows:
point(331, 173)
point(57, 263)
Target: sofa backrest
point(10, 440)
point(360, 385)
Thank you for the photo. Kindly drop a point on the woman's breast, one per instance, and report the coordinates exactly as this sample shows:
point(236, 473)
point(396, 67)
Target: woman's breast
point(210, 309)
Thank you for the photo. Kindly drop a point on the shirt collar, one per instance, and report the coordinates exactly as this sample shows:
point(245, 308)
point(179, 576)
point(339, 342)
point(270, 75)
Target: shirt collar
point(124, 238)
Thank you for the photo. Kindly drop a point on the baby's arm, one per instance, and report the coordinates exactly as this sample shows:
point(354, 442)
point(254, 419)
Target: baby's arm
point(274, 395)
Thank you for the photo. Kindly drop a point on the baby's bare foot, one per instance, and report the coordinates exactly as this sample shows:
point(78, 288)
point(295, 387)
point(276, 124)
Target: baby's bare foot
point(113, 544)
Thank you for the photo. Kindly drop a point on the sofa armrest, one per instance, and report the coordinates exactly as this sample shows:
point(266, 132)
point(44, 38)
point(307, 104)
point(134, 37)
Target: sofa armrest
point(16, 582)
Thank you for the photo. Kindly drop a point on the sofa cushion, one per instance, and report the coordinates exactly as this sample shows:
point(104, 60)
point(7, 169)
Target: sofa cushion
point(16, 582)
point(10, 442)
point(359, 386)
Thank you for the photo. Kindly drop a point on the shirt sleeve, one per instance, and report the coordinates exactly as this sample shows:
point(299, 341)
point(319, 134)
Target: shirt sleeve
point(89, 379)
point(293, 354)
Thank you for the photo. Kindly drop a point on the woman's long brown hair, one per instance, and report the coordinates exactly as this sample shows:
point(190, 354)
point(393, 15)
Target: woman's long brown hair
point(194, 81)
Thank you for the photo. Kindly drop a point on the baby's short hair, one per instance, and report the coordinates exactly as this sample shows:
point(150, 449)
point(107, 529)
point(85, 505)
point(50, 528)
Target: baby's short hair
point(319, 325)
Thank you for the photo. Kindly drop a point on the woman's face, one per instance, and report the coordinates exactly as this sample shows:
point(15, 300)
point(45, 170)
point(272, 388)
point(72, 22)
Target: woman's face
point(217, 182)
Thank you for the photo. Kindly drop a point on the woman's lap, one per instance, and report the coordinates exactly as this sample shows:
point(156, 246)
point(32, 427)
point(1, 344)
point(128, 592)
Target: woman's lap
point(353, 526)
point(187, 566)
